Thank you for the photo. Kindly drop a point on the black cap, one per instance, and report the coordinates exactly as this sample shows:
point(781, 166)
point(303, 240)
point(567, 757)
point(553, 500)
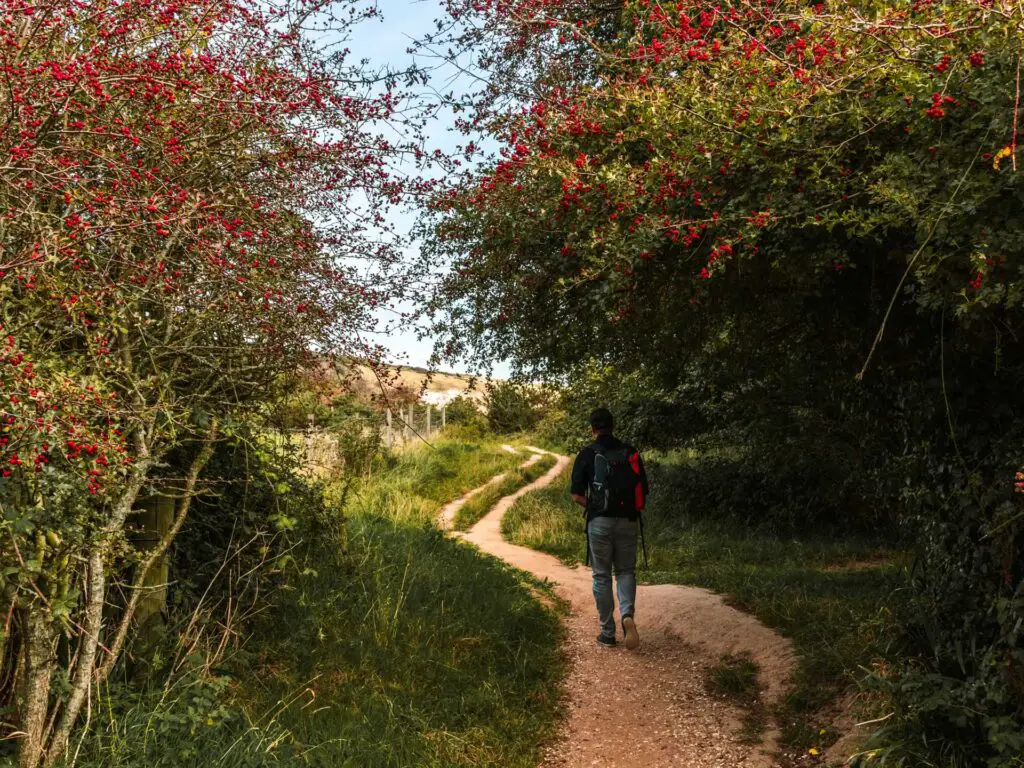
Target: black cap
point(601, 418)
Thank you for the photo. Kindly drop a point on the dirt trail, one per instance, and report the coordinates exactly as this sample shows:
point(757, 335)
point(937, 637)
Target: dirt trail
point(446, 517)
point(647, 708)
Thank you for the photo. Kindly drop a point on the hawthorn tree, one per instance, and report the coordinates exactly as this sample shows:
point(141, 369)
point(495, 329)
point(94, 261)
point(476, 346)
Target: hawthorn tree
point(189, 199)
point(695, 139)
point(801, 222)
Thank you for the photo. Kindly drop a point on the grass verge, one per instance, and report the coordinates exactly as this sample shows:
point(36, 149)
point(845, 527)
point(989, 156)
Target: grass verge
point(480, 504)
point(827, 595)
point(413, 650)
point(412, 485)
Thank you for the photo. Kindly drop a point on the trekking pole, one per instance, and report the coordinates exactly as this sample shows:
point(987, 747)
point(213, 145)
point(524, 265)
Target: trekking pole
point(643, 541)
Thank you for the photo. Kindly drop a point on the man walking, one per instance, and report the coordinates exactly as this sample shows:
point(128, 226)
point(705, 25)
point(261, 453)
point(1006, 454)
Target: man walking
point(608, 480)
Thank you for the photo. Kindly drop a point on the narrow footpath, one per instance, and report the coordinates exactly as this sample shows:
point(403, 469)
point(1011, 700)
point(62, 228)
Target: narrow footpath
point(646, 708)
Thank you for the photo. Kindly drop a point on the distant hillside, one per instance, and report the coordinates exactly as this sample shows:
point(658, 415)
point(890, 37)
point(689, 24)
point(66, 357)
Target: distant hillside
point(399, 385)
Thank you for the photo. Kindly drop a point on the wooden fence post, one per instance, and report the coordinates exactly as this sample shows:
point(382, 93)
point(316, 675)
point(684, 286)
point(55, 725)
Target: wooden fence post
point(154, 516)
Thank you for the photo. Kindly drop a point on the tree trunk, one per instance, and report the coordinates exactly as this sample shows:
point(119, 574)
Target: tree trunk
point(39, 662)
point(81, 673)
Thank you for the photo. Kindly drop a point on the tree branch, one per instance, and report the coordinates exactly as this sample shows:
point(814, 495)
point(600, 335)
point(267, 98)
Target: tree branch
point(188, 492)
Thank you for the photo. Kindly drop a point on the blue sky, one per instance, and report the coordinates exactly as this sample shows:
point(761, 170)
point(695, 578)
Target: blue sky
point(383, 42)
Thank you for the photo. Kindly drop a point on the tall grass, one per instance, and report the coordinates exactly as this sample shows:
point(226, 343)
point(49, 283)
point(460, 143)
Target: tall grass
point(383, 644)
point(416, 650)
point(481, 503)
point(411, 485)
point(190, 723)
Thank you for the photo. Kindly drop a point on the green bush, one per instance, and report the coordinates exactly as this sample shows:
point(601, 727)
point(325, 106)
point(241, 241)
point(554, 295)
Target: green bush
point(513, 407)
point(781, 467)
point(262, 506)
point(645, 413)
point(307, 407)
point(959, 673)
point(173, 701)
point(464, 411)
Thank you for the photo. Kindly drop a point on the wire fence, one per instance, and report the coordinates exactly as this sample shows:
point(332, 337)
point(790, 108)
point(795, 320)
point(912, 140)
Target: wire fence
point(395, 428)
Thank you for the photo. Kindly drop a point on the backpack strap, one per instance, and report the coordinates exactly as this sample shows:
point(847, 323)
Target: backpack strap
point(595, 478)
point(596, 448)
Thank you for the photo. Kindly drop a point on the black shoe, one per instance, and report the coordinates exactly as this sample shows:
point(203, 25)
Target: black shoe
point(606, 642)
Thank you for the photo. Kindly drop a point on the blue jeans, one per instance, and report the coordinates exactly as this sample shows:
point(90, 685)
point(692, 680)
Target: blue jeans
point(612, 542)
